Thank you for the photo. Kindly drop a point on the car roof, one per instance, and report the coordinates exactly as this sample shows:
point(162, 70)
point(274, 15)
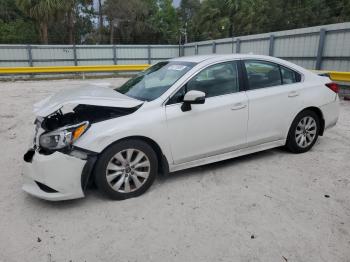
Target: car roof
point(216, 57)
point(208, 59)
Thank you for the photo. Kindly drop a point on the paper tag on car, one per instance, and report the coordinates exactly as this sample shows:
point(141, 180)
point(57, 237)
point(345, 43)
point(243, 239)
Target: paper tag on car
point(177, 67)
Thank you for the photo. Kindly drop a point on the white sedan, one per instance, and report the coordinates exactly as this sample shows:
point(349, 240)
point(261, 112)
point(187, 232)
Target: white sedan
point(180, 113)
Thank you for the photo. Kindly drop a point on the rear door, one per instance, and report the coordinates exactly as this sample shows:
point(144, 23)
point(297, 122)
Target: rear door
point(274, 98)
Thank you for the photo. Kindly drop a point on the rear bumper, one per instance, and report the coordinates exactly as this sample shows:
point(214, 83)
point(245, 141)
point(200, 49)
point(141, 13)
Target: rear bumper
point(330, 113)
point(54, 177)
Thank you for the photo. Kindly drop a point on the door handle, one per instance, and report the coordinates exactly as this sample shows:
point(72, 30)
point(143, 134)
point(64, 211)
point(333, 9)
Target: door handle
point(293, 94)
point(238, 106)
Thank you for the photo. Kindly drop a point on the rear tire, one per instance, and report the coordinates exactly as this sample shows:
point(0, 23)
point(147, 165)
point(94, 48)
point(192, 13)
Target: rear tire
point(126, 169)
point(303, 132)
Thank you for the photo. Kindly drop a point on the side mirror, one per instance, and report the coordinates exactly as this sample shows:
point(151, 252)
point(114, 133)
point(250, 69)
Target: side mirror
point(192, 97)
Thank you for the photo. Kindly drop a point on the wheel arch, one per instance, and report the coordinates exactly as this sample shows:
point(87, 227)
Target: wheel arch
point(319, 113)
point(163, 164)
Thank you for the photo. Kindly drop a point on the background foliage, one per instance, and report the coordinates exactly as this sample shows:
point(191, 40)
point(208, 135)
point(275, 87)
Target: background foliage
point(157, 21)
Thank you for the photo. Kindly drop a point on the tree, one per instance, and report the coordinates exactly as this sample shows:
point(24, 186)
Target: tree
point(41, 11)
point(157, 21)
point(254, 16)
point(100, 20)
point(15, 26)
point(131, 21)
point(186, 13)
point(233, 7)
point(9, 11)
point(339, 10)
point(73, 13)
point(18, 31)
point(212, 21)
point(166, 22)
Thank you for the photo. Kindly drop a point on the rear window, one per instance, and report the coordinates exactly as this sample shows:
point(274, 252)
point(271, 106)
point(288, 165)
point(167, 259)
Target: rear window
point(263, 74)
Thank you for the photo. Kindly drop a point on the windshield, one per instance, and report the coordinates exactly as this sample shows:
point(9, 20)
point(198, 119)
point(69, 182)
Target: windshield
point(153, 82)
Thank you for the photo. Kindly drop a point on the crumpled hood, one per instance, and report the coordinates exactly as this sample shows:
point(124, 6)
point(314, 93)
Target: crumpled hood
point(91, 95)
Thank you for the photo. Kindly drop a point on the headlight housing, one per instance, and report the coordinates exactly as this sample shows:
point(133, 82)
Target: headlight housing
point(63, 137)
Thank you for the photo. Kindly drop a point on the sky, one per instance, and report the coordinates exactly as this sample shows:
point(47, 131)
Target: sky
point(176, 3)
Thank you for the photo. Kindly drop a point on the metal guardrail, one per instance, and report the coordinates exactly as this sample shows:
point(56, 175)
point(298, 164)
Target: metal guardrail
point(71, 69)
point(338, 76)
point(78, 55)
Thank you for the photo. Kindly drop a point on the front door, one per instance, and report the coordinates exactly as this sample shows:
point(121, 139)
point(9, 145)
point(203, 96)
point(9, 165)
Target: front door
point(217, 126)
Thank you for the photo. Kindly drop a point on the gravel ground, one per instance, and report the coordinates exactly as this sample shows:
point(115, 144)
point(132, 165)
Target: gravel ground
point(268, 206)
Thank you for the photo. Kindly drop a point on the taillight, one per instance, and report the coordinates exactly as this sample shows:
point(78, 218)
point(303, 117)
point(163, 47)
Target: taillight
point(333, 86)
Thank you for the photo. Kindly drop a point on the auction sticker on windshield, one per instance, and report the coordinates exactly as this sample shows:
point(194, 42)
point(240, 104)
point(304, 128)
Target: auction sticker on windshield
point(177, 67)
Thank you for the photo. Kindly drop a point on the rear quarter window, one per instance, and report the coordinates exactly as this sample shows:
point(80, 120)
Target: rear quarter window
point(289, 76)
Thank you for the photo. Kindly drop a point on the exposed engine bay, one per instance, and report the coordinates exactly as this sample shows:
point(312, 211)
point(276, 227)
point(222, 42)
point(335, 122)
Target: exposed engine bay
point(81, 113)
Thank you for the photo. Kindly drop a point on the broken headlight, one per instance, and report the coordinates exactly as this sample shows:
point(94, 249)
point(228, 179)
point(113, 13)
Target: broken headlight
point(63, 137)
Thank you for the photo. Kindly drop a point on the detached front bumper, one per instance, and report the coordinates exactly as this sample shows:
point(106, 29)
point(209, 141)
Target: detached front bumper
point(54, 177)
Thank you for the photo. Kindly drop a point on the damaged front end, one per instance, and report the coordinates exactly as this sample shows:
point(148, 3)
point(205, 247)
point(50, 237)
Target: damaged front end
point(55, 168)
point(65, 126)
point(59, 130)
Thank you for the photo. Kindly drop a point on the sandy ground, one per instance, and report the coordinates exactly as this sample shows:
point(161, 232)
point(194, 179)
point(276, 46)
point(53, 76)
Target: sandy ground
point(269, 206)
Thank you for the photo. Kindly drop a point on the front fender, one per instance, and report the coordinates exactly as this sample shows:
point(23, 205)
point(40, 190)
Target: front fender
point(147, 124)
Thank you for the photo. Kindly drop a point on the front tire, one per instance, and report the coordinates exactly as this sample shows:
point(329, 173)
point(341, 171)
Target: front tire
point(303, 132)
point(126, 169)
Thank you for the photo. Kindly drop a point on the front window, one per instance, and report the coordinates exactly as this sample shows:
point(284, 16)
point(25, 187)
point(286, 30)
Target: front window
point(153, 82)
point(216, 80)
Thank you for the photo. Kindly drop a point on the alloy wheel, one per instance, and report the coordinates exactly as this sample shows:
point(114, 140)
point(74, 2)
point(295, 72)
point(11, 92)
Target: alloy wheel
point(128, 170)
point(306, 131)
